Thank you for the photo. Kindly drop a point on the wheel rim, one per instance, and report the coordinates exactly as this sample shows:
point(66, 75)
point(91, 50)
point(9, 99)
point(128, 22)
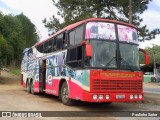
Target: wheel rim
point(65, 93)
point(27, 86)
point(32, 88)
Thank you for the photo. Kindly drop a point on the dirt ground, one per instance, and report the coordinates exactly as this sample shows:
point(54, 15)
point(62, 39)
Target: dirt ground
point(8, 78)
point(13, 97)
point(9, 81)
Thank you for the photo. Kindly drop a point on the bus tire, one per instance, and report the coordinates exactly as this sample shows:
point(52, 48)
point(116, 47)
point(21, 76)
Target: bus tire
point(65, 95)
point(28, 87)
point(32, 86)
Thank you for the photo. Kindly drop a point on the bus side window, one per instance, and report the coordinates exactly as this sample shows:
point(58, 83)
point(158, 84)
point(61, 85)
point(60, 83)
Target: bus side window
point(49, 46)
point(59, 39)
point(46, 47)
point(65, 43)
point(40, 48)
point(75, 57)
point(54, 45)
point(79, 35)
point(71, 38)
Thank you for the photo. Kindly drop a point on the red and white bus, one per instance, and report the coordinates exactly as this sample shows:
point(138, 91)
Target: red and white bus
point(94, 60)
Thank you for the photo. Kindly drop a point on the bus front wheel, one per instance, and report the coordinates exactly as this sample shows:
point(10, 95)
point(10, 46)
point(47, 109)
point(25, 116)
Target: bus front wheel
point(65, 95)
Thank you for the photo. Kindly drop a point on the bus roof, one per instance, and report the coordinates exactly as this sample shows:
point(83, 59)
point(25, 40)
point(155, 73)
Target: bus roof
point(69, 27)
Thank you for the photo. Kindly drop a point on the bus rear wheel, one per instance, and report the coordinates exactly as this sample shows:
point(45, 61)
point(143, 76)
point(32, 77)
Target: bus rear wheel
point(65, 95)
point(28, 87)
point(32, 88)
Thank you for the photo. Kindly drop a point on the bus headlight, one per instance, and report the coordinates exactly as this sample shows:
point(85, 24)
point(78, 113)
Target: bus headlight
point(140, 96)
point(100, 97)
point(107, 97)
point(135, 96)
point(95, 97)
point(131, 96)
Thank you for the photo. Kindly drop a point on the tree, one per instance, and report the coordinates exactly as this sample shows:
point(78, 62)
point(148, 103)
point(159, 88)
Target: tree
point(19, 33)
point(3, 45)
point(11, 28)
point(29, 30)
point(154, 52)
point(3, 42)
point(75, 10)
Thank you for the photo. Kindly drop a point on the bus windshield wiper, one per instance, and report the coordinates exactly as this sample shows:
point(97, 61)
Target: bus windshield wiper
point(114, 58)
point(128, 65)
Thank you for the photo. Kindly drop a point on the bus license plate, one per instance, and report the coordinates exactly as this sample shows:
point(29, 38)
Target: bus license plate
point(120, 96)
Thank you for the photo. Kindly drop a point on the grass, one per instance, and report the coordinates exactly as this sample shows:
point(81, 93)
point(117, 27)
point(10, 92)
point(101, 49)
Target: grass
point(16, 71)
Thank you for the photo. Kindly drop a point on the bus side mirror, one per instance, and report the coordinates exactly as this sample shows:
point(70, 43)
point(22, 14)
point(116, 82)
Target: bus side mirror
point(146, 56)
point(88, 50)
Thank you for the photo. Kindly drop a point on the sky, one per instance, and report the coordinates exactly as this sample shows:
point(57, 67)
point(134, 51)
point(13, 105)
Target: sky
point(37, 10)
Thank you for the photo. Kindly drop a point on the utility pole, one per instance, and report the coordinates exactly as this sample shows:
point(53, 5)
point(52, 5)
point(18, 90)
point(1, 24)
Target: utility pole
point(154, 60)
point(130, 11)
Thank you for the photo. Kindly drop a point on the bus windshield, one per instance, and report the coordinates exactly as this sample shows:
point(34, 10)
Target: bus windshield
point(129, 56)
point(128, 47)
point(103, 53)
point(104, 46)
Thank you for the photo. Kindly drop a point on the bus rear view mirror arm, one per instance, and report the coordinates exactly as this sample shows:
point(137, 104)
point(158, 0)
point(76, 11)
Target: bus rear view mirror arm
point(146, 56)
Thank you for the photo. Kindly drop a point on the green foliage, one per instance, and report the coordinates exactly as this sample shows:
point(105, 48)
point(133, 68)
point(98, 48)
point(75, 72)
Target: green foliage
point(29, 30)
point(11, 28)
point(16, 71)
point(3, 45)
point(154, 52)
point(75, 10)
point(3, 42)
point(16, 33)
point(141, 58)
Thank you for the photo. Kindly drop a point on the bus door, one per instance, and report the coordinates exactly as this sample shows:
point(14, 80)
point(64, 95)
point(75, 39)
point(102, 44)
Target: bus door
point(42, 75)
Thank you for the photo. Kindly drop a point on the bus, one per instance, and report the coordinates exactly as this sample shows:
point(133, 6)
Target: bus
point(94, 60)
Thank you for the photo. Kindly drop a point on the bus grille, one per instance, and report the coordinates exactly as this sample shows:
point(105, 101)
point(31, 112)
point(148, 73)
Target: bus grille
point(117, 85)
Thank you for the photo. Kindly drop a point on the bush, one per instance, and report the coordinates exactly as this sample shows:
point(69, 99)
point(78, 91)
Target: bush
point(16, 71)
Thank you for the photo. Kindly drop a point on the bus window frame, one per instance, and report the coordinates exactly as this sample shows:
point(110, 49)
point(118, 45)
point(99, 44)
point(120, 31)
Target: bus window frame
point(50, 50)
point(117, 41)
point(54, 42)
point(74, 29)
point(60, 40)
point(54, 48)
point(79, 62)
point(101, 39)
point(63, 39)
point(45, 50)
point(39, 48)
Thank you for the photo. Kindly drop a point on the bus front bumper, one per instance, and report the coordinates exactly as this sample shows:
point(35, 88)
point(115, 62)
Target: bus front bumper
point(112, 97)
